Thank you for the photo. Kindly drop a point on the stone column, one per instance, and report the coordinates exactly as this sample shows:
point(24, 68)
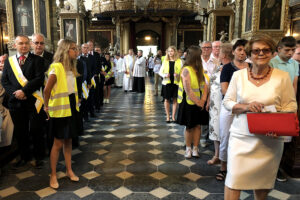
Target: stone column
point(204, 32)
point(174, 23)
point(238, 19)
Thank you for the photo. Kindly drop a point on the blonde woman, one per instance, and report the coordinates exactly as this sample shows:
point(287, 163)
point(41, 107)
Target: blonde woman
point(61, 104)
point(170, 71)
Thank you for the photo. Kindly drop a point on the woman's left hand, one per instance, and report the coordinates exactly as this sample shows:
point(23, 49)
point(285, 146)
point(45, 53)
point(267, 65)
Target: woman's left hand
point(47, 112)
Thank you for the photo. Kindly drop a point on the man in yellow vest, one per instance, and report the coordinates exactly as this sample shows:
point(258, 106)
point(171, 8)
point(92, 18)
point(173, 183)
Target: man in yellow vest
point(23, 76)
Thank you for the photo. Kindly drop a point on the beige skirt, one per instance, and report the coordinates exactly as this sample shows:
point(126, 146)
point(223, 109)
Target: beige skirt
point(253, 161)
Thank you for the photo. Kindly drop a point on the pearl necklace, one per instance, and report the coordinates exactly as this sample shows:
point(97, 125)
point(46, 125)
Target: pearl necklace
point(258, 79)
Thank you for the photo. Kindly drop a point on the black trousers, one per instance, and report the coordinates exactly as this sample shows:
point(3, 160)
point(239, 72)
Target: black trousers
point(91, 101)
point(97, 93)
point(26, 124)
point(101, 93)
point(84, 109)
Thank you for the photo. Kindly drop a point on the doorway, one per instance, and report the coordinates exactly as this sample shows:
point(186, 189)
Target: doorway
point(148, 50)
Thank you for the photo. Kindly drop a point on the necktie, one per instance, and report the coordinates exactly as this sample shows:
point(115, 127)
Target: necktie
point(22, 60)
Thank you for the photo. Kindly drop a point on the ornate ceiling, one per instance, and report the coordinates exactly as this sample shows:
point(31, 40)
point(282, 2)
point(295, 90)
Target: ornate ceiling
point(142, 7)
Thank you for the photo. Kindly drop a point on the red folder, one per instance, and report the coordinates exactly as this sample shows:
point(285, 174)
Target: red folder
point(282, 124)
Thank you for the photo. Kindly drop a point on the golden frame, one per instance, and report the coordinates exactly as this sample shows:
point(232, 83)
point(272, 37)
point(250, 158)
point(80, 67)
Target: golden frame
point(275, 33)
point(78, 18)
point(212, 23)
point(36, 20)
point(102, 30)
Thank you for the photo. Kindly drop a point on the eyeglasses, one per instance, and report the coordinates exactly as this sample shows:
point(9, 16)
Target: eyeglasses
point(74, 49)
point(37, 43)
point(257, 51)
point(205, 47)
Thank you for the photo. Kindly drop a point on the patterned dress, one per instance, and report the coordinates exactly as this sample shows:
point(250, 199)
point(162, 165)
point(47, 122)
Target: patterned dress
point(215, 105)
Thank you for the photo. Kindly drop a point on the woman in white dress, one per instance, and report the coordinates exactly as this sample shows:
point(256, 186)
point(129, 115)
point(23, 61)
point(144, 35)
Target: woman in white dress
point(215, 100)
point(253, 160)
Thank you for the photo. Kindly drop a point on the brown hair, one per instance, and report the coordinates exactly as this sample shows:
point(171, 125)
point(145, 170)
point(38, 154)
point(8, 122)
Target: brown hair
point(260, 38)
point(193, 59)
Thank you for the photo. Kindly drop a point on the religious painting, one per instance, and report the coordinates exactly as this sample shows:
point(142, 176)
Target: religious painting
point(2, 5)
point(43, 20)
point(249, 14)
point(192, 37)
point(70, 29)
point(23, 17)
point(222, 27)
point(270, 14)
point(102, 38)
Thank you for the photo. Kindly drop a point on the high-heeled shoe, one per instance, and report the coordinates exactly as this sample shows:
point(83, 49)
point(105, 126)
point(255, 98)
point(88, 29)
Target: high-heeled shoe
point(73, 178)
point(54, 185)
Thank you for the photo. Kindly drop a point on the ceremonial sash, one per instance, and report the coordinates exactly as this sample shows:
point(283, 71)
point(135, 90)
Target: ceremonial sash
point(128, 65)
point(23, 81)
point(93, 82)
point(85, 90)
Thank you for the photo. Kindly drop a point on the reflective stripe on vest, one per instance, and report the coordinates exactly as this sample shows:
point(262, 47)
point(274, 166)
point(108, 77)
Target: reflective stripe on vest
point(194, 86)
point(166, 68)
point(23, 81)
point(59, 102)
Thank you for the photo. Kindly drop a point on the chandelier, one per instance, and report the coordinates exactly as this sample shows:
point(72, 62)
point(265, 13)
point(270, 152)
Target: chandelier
point(142, 4)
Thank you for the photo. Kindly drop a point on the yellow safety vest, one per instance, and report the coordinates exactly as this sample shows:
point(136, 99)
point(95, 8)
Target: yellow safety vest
point(165, 70)
point(108, 74)
point(194, 85)
point(163, 58)
point(59, 103)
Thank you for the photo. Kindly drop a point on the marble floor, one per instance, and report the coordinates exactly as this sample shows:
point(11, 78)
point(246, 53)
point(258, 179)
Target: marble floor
point(129, 152)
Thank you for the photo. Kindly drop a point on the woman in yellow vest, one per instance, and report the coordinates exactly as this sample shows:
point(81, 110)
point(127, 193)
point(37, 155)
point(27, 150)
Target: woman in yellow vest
point(61, 105)
point(170, 71)
point(192, 95)
point(109, 77)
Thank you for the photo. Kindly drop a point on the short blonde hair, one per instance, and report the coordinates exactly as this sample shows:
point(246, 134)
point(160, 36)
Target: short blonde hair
point(226, 49)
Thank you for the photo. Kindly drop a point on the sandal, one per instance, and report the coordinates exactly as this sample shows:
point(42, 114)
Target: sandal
point(221, 175)
point(215, 160)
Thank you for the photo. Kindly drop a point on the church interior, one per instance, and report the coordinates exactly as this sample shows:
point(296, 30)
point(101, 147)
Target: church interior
point(128, 151)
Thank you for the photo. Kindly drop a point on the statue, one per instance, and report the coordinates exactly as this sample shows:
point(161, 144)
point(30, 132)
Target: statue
point(223, 36)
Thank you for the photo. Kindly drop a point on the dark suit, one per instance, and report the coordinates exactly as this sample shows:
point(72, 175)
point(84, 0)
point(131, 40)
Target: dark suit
point(23, 111)
point(85, 75)
point(42, 116)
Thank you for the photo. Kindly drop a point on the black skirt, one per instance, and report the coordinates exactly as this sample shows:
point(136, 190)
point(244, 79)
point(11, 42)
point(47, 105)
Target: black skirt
point(110, 81)
point(191, 115)
point(170, 91)
point(138, 84)
point(67, 127)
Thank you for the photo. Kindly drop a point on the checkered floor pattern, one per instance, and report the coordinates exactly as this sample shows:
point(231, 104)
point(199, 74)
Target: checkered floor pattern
point(129, 152)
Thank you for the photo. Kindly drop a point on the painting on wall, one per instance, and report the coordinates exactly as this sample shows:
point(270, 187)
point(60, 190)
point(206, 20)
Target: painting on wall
point(222, 25)
point(43, 20)
point(101, 37)
point(249, 14)
point(70, 29)
point(270, 14)
point(23, 17)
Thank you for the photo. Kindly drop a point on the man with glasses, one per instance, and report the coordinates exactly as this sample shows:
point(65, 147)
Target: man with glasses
point(209, 63)
point(23, 76)
point(38, 46)
point(283, 61)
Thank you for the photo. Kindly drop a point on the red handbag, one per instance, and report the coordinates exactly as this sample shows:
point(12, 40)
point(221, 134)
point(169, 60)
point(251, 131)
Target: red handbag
point(281, 124)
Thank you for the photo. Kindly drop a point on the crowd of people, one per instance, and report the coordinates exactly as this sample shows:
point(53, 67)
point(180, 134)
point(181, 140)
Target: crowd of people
point(209, 88)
